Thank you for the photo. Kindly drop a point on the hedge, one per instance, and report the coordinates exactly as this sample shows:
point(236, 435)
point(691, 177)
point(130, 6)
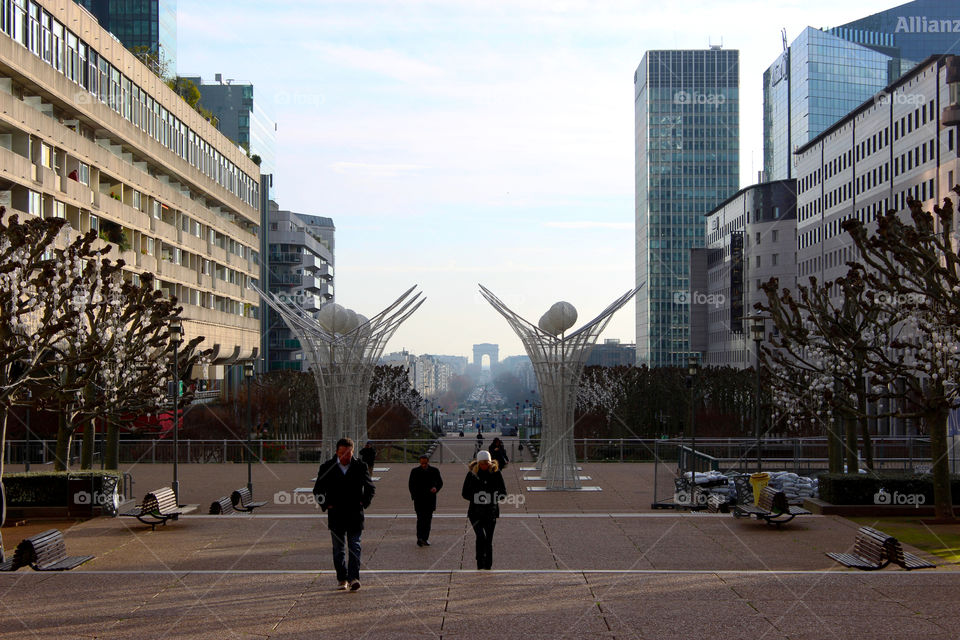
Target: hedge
point(48, 488)
point(860, 488)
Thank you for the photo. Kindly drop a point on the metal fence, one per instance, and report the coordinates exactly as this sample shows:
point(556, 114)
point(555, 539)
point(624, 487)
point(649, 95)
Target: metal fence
point(802, 455)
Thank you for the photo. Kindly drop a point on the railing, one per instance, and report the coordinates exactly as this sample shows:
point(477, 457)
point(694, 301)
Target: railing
point(725, 454)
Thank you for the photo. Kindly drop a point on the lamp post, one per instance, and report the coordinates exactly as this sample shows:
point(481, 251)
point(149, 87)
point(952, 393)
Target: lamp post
point(757, 329)
point(248, 374)
point(518, 421)
point(176, 335)
point(692, 370)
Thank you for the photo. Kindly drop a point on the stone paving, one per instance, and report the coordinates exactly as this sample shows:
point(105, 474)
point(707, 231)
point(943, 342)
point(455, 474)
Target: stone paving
point(566, 565)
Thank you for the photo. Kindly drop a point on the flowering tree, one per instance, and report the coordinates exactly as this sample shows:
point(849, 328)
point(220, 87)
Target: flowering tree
point(914, 267)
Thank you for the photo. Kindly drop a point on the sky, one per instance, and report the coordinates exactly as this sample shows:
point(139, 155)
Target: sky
point(457, 142)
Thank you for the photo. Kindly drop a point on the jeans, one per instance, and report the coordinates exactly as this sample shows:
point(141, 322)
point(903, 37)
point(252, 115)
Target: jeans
point(484, 530)
point(348, 571)
point(424, 519)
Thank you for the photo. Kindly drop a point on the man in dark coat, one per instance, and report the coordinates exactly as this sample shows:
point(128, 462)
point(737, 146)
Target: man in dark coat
point(484, 488)
point(344, 489)
point(424, 483)
point(368, 454)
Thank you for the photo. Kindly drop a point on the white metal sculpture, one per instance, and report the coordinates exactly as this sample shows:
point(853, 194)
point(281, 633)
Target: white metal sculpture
point(557, 360)
point(343, 348)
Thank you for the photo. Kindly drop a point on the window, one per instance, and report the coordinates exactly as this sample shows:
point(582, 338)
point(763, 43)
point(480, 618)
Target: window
point(773, 235)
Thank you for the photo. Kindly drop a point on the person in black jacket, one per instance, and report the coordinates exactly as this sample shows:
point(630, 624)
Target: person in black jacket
point(498, 453)
point(368, 454)
point(344, 489)
point(484, 488)
point(424, 483)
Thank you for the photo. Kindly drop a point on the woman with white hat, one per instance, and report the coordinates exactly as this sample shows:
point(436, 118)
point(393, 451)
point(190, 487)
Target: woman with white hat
point(484, 489)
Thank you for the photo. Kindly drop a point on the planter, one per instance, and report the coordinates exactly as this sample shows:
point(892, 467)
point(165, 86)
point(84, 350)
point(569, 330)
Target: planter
point(64, 494)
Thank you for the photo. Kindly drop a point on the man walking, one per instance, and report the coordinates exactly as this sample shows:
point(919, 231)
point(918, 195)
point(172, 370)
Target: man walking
point(424, 483)
point(344, 489)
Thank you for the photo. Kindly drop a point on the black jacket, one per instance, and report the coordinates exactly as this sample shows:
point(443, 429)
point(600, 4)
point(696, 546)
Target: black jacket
point(500, 455)
point(420, 483)
point(484, 490)
point(344, 496)
point(368, 455)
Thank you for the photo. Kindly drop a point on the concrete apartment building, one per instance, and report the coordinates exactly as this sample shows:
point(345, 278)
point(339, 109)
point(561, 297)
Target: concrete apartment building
point(89, 134)
point(300, 269)
point(903, 143)
point(751, 237)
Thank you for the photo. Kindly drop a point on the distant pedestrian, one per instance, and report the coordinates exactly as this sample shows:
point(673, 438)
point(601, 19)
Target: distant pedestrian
point(369, 455)
point(499, 453)
point(344, 489)
point(424, 483)
point(484, 488)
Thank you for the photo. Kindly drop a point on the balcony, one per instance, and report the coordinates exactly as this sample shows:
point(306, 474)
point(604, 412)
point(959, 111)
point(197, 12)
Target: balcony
point(286, 280)
point(285, 258)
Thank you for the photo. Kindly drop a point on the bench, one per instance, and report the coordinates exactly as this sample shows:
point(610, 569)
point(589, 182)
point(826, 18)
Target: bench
point(772, 508)
point(718, 504)
point(159, 506)
point(221, 506)
point(873, 549)
point(243, 500)
point(45, 551)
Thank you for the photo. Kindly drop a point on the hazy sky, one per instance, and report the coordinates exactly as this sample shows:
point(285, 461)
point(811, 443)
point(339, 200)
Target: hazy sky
point(463, 141)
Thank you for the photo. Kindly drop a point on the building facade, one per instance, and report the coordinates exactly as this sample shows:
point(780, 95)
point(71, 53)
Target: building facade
point(825, 74)
point(612, 353)
point(91, 135)
point(241, 118)
point(151, 24)
point(751, 237)
point(903, 144)
point(687, 160)
point(299, 269)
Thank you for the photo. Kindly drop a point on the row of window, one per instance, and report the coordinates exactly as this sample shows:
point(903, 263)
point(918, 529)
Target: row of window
point(29, 24)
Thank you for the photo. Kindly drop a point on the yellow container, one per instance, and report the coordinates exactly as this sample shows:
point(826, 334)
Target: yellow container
point(758, 481)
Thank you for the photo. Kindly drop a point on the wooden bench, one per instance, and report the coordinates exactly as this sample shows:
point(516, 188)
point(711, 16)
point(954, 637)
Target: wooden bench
point(222, 506)
point(45, 551)
point(243, 500)
point(772, 508)
point(718, 504)
point(873, 549)
point(157, 507)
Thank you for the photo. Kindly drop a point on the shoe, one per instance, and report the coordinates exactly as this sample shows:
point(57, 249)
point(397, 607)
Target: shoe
point(426, 544)
point(342, 586)
point(419, 542)
point(355, 585)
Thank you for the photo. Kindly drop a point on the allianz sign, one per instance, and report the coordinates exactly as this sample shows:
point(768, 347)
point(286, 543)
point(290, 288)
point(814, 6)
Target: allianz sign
point(920, 24)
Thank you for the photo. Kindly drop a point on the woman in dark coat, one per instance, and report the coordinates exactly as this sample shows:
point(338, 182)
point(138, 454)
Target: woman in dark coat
point(499, 453)
point(484, 489)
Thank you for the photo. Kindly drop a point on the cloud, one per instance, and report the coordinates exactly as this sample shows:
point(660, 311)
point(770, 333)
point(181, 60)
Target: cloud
point(388, 62)
point(376, 170)
point(588, 224)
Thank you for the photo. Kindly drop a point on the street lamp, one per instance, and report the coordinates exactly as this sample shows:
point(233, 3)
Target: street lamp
point(518, 421)
point(757, 330)
point(693, 367)
point(176, 335)
point(248, 374)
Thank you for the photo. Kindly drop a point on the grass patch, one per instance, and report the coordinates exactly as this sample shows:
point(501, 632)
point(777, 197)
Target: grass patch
point(941, 540)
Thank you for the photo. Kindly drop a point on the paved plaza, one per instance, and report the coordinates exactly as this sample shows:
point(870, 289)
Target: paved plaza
point(566, 565)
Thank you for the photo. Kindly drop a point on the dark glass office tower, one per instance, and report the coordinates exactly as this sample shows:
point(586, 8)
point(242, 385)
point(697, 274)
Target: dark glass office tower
point(826, 73)
point(140, 23)
point(687, 110)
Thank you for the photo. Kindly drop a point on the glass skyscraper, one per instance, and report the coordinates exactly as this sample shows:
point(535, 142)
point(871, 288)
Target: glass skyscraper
point(687, 108)
point(140, 23)
point(825, 74)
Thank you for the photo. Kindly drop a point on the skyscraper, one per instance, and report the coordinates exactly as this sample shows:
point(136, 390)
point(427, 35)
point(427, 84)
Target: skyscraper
point(687, 161)
point(825, 74)
point(241, 118)
point(140, 23)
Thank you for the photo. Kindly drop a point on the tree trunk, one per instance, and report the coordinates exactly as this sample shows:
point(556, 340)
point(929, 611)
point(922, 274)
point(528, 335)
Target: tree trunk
point(850, 448)
point(834, 446)
point(86, 446)
point(112, 453)
point(864, 421)
point(936, 424)
point(61, 460)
